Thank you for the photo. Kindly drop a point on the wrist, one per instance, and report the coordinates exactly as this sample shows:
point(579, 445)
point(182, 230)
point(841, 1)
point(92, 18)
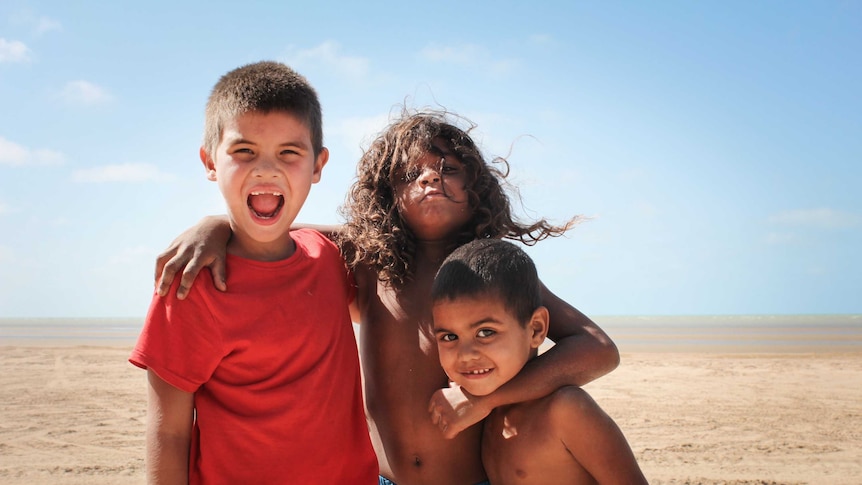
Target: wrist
point(485, 403)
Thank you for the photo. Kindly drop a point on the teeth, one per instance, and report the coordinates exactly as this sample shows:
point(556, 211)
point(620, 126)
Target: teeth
point(480, 371)
point(279, 194)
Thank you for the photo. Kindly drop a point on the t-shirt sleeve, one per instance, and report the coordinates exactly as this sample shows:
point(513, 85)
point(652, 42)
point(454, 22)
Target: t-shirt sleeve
point(180, 340)
point(333, 256)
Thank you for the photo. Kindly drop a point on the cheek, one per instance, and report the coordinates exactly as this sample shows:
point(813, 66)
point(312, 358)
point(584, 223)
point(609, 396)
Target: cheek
point(403, 199)
point(457, 190)
point(448, 357)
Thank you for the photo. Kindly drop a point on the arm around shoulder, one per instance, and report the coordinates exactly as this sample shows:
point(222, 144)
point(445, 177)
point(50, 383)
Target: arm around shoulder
point(331, 231)
point(590, 352)
point(581, 354)
point(202, 245)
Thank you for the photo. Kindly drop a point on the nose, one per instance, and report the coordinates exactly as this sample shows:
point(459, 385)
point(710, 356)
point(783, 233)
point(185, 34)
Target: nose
point(265, 167)
point(467, 352)
point(429, 175)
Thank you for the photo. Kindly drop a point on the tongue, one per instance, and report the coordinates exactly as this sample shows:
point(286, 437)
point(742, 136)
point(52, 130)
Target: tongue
point(264, 204)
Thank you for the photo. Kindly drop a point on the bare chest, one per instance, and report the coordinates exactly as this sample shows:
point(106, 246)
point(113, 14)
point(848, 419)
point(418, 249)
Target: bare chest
point(520, 445)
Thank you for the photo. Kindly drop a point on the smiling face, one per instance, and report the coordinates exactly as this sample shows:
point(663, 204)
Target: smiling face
point(431, 195)
point(264, 165)
point(481, 343)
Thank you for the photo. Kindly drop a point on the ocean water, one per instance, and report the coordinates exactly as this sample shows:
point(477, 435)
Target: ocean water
point(737, 333)
point(71, 331)
point(730, 333)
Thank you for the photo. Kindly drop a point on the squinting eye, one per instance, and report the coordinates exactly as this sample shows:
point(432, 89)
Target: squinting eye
point(448, 337)
point(485, 332)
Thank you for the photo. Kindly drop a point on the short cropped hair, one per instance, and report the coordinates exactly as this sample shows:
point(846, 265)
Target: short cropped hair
point(265, 87)
point(490, 268)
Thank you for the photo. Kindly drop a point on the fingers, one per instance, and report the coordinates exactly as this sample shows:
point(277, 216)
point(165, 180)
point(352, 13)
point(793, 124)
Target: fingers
point(161, 261)
point(441, 423)
point(168, 272)
point(219, 274)
point(438, 419)
point(190, 272)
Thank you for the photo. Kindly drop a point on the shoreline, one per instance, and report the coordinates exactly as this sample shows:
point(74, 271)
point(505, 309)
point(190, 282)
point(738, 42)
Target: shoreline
point(705, 334)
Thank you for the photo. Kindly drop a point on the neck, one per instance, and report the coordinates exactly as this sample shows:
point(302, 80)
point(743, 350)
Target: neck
point(430, 255)
point(278, 250)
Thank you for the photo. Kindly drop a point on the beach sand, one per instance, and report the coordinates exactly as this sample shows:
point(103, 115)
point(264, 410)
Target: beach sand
point(75, 415)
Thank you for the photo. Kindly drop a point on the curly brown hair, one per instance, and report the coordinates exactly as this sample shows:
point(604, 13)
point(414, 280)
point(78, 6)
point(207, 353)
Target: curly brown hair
point(375, 235)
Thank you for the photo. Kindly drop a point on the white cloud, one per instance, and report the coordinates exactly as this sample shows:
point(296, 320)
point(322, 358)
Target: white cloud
point(358, 133)
point(13, 51)
point(39, 24)
point(45, 24)
point(16, 155)
point(84, 92)
point(126, 172)
point(328, 54)
point(468, 55)
point(820, 218)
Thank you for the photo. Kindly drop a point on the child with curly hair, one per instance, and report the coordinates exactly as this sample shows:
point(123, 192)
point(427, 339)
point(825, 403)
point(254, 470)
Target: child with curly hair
point(423, 188)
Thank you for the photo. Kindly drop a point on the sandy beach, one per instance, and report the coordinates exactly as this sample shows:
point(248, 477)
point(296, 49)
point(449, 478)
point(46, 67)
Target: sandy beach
point(74, 414)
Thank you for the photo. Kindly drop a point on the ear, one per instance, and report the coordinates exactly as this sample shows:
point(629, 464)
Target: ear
point(538, 326)
point(319, 163)
point(209, 165)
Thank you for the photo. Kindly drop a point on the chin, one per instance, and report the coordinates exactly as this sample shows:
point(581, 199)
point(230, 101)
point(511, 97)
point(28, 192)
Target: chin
point(479, 392)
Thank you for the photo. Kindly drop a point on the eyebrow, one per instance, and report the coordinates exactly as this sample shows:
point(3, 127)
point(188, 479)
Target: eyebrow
point(443, 153)
point(292, 143)
point(442, 150)
point(478, 323)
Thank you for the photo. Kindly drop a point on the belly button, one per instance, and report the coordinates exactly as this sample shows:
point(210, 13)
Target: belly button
point(416, 461)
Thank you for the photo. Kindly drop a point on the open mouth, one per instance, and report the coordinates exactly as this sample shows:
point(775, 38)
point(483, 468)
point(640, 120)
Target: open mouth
point(477, 372)
point(265, 205)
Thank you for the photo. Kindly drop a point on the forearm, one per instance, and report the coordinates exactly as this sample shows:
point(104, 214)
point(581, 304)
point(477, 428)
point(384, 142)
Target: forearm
point(170, 416)
point(573, 361)
point(328, 230)
point(167, 459)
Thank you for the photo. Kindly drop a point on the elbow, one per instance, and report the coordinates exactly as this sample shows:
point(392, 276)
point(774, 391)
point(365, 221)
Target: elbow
point(613, 355)
point(609, 356)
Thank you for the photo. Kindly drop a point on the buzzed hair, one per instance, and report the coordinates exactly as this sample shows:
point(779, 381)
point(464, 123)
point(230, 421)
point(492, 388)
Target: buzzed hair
point(490, 268)
point(265, 87)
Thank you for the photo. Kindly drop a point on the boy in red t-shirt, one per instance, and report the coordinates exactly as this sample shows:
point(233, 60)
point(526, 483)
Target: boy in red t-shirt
point(260, 384)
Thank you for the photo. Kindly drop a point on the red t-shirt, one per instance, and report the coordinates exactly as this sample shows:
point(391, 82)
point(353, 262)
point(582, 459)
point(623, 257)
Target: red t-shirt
point(274, 368)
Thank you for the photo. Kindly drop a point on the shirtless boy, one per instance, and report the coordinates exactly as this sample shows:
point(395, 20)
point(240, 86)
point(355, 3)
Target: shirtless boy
point(489, 323)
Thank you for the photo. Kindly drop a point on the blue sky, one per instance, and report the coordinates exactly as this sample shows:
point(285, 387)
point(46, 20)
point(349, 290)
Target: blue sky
point(715, 146)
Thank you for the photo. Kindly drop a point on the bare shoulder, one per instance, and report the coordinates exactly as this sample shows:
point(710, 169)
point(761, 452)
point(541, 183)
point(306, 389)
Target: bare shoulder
point(570, 403)
point(366, 281)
